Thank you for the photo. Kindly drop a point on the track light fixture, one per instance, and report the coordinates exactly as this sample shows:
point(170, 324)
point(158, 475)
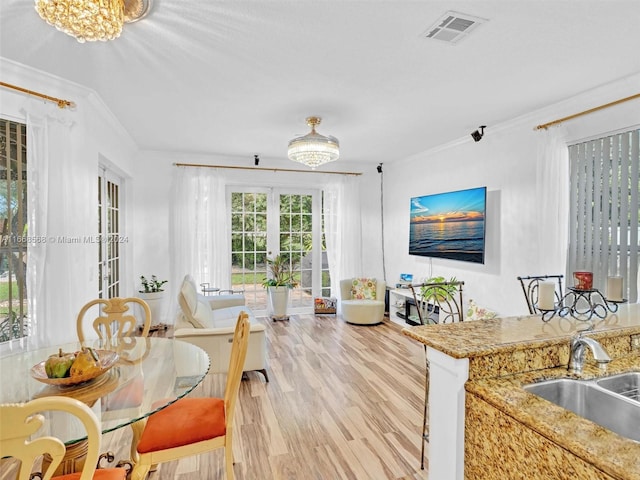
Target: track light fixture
point(477, 135)
point(379, 168)
point(256, 160)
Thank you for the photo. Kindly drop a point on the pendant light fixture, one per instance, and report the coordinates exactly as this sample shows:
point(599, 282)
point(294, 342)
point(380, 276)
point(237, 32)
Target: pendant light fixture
point(314, 149)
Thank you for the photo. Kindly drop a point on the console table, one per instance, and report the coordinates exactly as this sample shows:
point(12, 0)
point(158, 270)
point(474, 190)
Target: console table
point(403, 306)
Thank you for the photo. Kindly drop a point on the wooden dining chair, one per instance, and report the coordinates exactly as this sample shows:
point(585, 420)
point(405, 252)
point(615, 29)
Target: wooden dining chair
point(192, 426)
point(113, 322)
point(116, 326)
point(18, 422)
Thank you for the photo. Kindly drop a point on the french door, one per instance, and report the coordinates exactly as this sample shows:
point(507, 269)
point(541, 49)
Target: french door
point(109, 234)
point(270, 221)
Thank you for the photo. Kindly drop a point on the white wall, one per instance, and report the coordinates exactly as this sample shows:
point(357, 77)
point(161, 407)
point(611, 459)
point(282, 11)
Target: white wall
point(505, 161)
point(95, 135)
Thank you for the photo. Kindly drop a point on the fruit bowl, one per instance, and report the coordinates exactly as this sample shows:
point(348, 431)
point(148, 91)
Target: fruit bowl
point(106, 360)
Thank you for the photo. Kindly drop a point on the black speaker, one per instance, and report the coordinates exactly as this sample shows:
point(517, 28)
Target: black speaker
point(477, 135)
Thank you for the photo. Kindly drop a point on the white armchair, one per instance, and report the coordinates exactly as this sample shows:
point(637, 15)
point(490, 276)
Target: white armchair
point(209, 322)
point(362, 306)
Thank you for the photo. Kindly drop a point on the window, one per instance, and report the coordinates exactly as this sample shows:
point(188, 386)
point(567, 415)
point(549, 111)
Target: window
point(109, 235)
point(604, 209)
point(13, 222)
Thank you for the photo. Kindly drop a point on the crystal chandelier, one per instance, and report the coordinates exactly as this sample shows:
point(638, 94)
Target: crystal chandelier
point(91, 20)
point(314, 149)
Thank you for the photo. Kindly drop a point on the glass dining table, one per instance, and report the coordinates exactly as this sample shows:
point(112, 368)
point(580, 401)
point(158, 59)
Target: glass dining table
point(149, 374)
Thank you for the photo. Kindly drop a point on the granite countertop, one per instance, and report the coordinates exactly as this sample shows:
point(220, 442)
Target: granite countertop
point(486, 337)
point(611, 453)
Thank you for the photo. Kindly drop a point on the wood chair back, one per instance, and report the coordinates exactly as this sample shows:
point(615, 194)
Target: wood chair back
point(18, 422)
point(113, 322)
point(236, 365)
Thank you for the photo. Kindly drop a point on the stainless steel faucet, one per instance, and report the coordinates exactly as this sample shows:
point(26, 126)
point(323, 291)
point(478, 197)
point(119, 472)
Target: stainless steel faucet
point(577, 352)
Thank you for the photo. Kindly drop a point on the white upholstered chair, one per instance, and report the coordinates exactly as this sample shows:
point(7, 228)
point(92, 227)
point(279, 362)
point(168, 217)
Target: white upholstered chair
point(362, 311)
point(209, 323)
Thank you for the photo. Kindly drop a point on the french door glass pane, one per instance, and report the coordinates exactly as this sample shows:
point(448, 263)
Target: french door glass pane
point(324, 267)
point(249, 246)
point(296, 242)
point(109, 252)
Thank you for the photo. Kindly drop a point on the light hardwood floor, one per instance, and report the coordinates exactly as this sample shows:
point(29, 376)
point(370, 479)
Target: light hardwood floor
point(343, 402)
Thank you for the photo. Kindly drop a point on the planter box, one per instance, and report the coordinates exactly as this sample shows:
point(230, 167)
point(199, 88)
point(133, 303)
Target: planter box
point(325, 305)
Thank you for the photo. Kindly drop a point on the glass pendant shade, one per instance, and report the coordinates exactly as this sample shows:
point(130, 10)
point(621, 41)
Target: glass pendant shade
point(314, 149)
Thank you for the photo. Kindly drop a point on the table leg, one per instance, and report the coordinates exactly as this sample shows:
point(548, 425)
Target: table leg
point(73, 460)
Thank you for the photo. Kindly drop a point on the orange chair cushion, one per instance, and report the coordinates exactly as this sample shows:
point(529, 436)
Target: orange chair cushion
point(100, 474)
point(187, 421)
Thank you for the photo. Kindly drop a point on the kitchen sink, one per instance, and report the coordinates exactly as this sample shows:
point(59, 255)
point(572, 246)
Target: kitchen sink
point(626, 384)
point(592, 401)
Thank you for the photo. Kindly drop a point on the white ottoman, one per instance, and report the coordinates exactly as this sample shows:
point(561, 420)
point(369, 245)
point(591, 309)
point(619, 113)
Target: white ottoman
point(363, 312)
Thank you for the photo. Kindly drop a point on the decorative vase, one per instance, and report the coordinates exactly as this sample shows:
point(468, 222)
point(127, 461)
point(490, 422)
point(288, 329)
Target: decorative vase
point(155, 301)
point(278, 302)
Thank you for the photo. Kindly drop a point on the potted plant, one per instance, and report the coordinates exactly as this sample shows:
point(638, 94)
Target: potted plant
point(278, 283)
point(151, 291)
point(439, 288)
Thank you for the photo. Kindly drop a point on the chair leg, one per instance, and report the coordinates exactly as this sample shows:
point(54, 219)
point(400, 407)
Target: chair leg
point(136, 429)
point(140, 472)
point(425, 427)
point(228, 460)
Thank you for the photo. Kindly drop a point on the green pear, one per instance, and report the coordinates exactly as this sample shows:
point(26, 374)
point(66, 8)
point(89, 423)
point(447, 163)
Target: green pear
point(59, 365)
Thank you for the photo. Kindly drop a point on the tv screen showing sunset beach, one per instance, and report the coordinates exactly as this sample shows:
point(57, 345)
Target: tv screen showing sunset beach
point(449, 225)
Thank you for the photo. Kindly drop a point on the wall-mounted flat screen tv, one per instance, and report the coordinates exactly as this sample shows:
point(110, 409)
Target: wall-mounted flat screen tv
point(449, 225)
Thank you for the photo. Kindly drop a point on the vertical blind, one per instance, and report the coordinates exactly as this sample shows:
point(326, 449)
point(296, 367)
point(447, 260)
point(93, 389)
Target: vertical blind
point(604, 208)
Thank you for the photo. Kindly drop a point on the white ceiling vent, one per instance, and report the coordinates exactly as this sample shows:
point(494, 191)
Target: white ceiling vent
point(453, 27)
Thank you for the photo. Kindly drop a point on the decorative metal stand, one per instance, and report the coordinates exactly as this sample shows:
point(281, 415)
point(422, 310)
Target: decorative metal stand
point(582, 305)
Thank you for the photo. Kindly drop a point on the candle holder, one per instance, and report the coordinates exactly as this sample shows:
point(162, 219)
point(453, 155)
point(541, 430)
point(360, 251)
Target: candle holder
point(547, 314)
point(584, 280)
point(582, 305)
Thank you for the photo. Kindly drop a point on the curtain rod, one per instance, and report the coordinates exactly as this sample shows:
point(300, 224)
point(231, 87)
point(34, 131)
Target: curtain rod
point(586, 112)
point(61, 103)
point(264, 169)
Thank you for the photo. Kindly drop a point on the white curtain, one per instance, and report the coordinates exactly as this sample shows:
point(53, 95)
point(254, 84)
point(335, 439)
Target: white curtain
point(200, 242)
point(552, 185)
point(57, 271)
point(343, 229)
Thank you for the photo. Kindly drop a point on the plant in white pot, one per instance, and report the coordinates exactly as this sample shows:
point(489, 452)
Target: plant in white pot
point(280, 281)
point(152, 293)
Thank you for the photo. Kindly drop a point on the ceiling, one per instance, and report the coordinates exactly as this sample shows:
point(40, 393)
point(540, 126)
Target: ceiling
point(238, 78)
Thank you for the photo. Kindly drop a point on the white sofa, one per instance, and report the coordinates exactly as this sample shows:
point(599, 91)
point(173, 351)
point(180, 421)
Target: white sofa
point(209, 323)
